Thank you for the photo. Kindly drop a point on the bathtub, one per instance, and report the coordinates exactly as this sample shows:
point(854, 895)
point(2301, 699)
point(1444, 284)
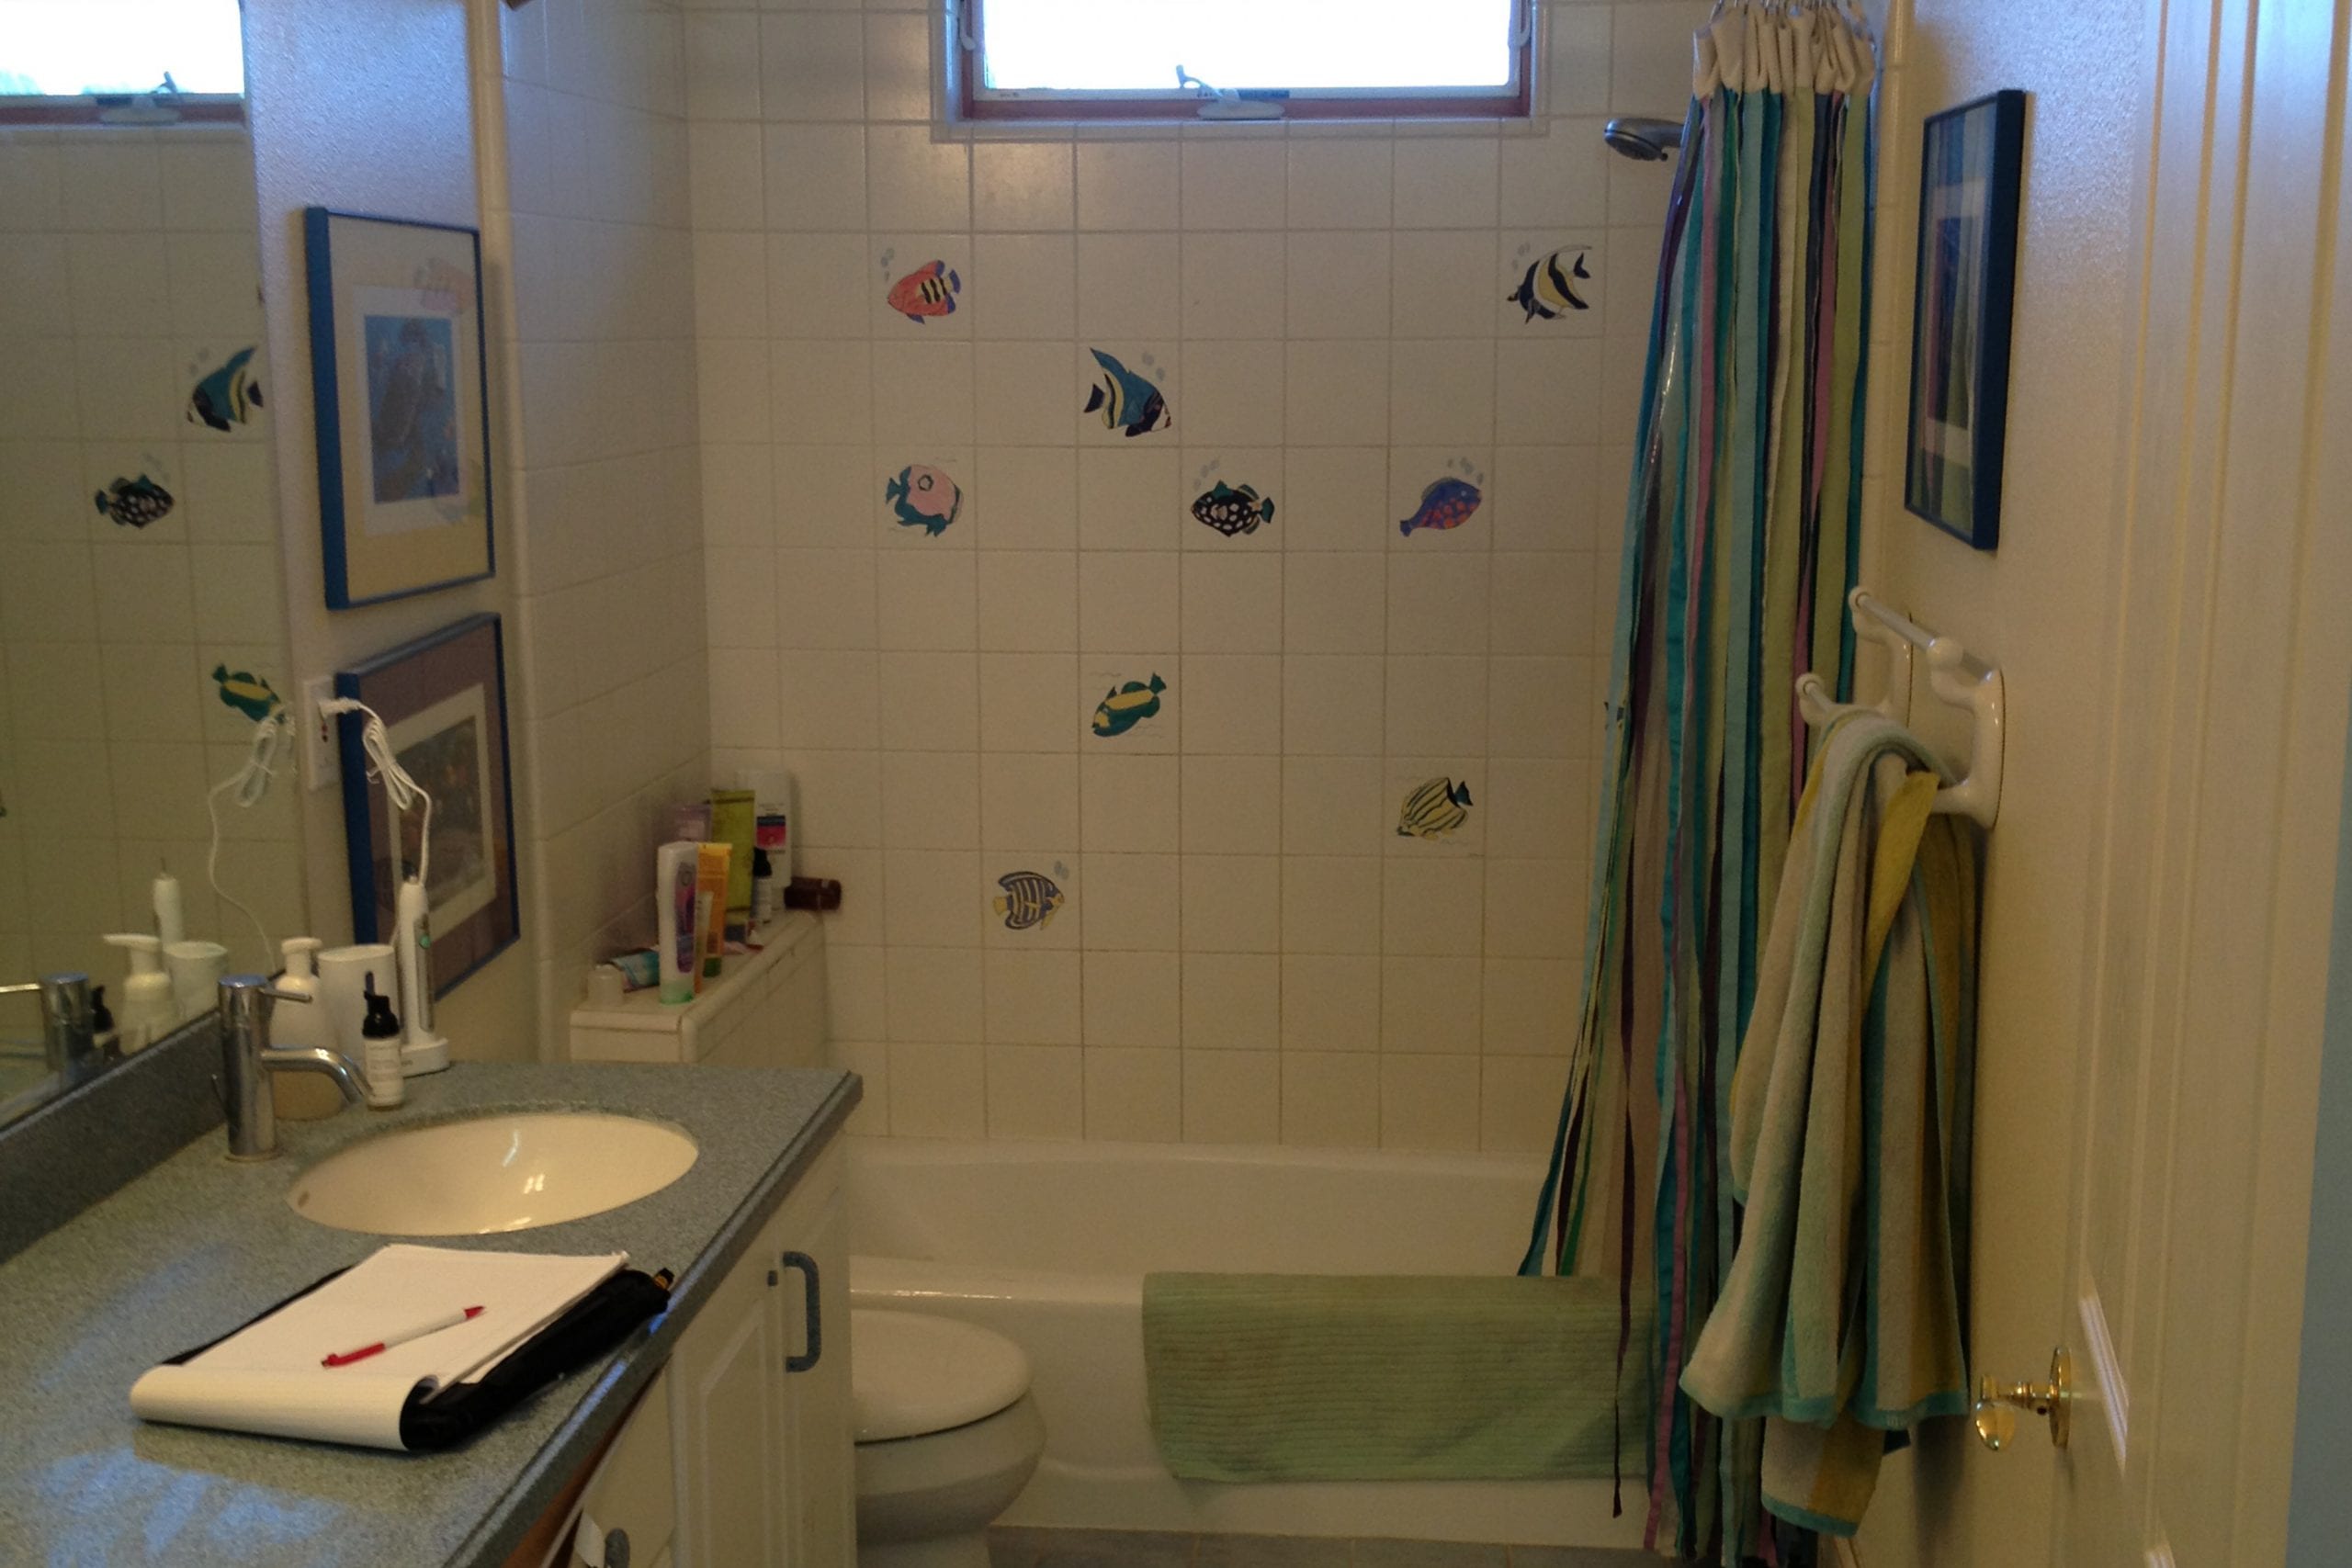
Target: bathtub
point(1048, 1243)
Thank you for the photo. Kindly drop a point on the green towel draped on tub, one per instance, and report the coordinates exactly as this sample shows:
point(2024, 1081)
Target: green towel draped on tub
point(1309, 1377)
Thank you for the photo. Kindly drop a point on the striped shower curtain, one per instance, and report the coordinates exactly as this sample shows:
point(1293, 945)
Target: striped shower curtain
point(1740, 540)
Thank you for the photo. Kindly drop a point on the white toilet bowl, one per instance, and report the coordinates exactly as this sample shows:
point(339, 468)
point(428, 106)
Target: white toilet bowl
point(946, 1437)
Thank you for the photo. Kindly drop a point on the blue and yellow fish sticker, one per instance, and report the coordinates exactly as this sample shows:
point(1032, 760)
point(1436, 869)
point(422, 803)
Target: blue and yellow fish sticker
point(247, 693)
point(133, 503)
point(228, 396)
point(1125, 707)
point(1126, 401)
point(1434, 809)
point(1030, 899)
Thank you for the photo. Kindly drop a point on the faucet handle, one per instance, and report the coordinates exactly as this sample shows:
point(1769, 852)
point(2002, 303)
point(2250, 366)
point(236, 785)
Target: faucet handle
point(235, 987)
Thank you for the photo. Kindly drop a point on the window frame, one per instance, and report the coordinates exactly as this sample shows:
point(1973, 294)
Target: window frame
point(86, 110)
point(970, 102)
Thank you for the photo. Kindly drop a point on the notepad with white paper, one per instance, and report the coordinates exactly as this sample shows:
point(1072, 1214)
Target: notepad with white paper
point(267, 1377)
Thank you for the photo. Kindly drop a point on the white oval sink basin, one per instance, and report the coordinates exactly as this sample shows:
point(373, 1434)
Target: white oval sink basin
point(508, 1171)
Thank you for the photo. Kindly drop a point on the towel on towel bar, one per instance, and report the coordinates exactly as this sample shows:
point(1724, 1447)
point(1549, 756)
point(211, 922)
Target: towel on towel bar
point(1840, 1321)
point(1313, 1377)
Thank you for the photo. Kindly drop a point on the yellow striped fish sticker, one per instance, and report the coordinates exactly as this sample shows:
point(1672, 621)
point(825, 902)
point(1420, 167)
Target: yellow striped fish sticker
point(1030, 899)
point(1434, 809)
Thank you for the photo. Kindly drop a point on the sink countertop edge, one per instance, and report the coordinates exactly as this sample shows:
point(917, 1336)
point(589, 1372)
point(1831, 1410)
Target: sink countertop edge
point(188, 1247)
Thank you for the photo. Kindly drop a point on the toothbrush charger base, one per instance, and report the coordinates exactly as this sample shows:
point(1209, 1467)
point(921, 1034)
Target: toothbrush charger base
point(419, 1057)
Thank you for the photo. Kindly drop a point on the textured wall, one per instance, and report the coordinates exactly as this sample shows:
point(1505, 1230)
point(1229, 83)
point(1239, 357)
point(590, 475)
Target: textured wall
point(1247, 948)
point(127, 275)
point(604, 477)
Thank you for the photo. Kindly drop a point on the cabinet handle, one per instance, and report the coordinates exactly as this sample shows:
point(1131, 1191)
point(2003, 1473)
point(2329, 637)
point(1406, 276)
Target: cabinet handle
point(808, 1266)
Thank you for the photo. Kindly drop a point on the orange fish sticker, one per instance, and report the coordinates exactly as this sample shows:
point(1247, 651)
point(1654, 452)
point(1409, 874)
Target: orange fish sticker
point(929, 291)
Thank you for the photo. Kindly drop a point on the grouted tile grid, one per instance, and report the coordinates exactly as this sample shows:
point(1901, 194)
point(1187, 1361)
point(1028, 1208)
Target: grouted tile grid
point(1016, 1547)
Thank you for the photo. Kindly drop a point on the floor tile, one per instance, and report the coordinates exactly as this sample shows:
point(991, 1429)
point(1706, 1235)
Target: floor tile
point(1088, 1548)
point(1427, 1554)
point(1271, 1552)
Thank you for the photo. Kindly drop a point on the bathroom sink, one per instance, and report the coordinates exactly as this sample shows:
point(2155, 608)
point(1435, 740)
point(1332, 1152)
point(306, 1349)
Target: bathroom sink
point(506, 1171)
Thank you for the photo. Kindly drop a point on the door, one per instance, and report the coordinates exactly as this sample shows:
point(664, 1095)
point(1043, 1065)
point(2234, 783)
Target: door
point(728, 1393)
point(820, 1455)
point(2213, 876)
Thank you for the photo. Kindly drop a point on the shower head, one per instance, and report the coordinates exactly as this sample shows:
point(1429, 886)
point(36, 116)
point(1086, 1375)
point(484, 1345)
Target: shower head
point(1641, 138)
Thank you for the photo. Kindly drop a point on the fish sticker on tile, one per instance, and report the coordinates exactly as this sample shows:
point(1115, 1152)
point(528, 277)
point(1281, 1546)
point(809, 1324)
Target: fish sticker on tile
point(1434, 809)
point(133, 503)
point(1030, 899)
point(1126, 401)
point(1549, 289)
point(1124, 708)
point(1232, 510)
point(228, 396)
point(1447, 503)
point(924, 498)
point(247, 693)
point(929, 291)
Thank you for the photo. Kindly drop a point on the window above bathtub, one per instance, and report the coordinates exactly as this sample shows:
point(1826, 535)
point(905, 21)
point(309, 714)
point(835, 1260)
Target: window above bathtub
point(122, 62)
point(1180, 59)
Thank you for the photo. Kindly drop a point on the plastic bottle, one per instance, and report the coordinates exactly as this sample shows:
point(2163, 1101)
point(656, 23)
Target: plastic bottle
point(147, 1013)
point(387, 1087)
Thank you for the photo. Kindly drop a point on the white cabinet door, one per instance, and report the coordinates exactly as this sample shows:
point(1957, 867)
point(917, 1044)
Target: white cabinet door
point(728, 1393)
point(820, 1454)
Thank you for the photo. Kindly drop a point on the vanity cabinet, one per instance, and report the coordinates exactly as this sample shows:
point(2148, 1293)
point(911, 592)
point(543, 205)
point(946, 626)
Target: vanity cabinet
point(760, 1398)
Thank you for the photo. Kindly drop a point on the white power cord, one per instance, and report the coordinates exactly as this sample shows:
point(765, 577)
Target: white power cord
point(401, 790)
point(272, 739)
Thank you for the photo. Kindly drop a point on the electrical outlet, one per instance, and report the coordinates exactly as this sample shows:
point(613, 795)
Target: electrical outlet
point(322, 752)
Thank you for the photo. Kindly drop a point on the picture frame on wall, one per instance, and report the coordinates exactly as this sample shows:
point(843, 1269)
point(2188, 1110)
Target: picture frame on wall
point(443, 701)
point(399, 374)
point(1971, 164)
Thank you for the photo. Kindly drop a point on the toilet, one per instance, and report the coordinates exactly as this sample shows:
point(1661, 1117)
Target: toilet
point(946, 1437)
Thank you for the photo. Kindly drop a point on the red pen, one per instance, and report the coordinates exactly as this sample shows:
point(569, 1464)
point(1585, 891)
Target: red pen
point(414, 1331)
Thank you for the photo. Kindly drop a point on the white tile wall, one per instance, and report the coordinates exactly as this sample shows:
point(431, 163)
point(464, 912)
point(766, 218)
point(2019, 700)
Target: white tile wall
point(1249, 949)
point(631, 641)
point(129, 270)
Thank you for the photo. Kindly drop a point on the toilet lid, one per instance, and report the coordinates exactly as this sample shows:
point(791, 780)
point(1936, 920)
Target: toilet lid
point(911, 1373)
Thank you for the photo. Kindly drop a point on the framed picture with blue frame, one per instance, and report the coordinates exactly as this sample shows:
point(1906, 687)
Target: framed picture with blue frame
point(399, 375)
point(443, 701)
point(1971, 164)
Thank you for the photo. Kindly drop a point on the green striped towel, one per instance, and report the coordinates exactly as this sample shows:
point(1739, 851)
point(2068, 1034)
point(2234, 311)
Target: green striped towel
point(1312, 1377)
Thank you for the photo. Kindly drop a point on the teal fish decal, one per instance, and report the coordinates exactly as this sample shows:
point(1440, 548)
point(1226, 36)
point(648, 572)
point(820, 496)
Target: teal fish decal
point(133, 503)
point(1434, 809)
point(1030, 899)
point(924, 498)
point(1128, 706)
point(1231, 510)
point(228, 396)
point(247, 693)
point(1126, 401)
point(1447, 503)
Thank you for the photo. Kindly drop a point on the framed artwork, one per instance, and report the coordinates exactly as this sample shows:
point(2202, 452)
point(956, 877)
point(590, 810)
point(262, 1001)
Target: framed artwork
point(399, 373)
point(1971, 167)
point(443, 701)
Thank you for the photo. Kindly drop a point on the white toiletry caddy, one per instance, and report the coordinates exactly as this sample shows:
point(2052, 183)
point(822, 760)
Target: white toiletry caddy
point(766, 1011)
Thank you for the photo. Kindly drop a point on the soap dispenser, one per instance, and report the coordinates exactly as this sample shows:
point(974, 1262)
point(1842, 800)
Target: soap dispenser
point(381, 1032)
point(147, 1013)
point(301, 1028)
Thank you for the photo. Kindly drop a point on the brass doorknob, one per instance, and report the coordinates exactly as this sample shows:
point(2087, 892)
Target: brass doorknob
point(1997, 1404)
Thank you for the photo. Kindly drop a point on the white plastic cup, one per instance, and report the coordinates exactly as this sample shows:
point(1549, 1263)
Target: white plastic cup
point(342, 990)
point(195, 968)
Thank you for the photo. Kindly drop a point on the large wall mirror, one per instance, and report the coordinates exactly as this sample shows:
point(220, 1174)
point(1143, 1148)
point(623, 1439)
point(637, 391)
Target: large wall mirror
point(143, 621)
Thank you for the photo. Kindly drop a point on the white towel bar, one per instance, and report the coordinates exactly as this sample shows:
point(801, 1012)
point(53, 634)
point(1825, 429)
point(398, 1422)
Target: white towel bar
point(1954, 674)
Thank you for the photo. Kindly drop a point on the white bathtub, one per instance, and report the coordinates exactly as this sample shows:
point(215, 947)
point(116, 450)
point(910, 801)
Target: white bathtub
point(1049, 1244)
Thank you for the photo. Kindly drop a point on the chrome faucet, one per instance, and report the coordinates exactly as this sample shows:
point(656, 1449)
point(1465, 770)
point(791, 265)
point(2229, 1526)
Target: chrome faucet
point(69, 1038)
point(247, 1059)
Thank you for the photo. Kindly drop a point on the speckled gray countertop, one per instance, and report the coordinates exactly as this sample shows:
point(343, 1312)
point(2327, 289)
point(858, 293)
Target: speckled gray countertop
point(197, 1246)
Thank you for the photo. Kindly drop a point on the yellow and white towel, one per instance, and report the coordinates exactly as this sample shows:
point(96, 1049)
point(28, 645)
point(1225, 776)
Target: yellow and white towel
point(1841, 1322)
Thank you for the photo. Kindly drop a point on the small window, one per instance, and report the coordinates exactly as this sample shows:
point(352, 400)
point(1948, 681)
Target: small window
point(1244, 58)
point(143, 61)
